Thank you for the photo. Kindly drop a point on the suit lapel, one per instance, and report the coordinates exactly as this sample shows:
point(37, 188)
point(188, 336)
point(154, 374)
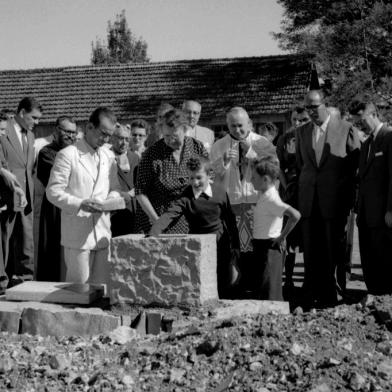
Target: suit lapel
point(330, 133)
point(308, 138)
point(87, 161)
point(14, 141)
point(123, 177)
point(377, 143)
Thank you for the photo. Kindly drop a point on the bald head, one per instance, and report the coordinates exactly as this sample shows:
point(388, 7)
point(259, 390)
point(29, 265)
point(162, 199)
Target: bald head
point(238, 122)
point(315, 106)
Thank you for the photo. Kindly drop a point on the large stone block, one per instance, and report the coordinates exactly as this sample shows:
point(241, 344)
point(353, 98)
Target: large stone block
point(165, 270)
point(55, 292)
point(10, 314)
point(55, 320)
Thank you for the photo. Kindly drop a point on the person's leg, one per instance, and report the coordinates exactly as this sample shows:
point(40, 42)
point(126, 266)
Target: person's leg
point(24, 245)
point(271, 286)
point(367, 264)
point(381, 260)
point(77, 263)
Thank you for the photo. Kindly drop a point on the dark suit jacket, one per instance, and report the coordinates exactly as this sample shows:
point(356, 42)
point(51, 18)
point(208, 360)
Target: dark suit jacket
point(375, 180)
point(334, 178)
point(127, 180)
point(19, 163)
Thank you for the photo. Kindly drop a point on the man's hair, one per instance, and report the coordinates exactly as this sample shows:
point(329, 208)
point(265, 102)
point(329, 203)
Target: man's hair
point(267, 166)
point(120, 127)
point(235, 110)
point(269, 127)
point(8, 113)
point(60, 119)
point(140, 123)
point(164, 107)
point(3, 116)
point(198, 162)
point(100, 112)
point(289, 135)
point(360, 104)
point(29, 104)
point(189, 100)
point(298, 108)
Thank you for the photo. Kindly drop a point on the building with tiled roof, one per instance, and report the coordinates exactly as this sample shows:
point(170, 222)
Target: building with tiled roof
point(266, 87)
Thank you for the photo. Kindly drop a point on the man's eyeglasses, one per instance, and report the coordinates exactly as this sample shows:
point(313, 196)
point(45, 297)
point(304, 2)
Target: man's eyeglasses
point(67, 132)
point(313, 107)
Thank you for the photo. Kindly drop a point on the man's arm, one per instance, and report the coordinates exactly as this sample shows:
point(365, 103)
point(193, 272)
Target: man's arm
point(58, 183)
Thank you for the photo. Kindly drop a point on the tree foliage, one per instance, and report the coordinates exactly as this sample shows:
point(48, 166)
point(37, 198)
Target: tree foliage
point(121, 47)
point(351, 41)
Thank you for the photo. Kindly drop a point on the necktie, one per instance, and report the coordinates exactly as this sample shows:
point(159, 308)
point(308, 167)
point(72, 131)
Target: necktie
point(370, 147)
point(24, 141)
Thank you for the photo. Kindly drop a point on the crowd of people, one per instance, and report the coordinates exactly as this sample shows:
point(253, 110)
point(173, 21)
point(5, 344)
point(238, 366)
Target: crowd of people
point(266, 196)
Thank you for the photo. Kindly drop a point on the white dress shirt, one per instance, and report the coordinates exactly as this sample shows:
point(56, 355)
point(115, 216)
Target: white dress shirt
point(202, 134)
point(318, 140)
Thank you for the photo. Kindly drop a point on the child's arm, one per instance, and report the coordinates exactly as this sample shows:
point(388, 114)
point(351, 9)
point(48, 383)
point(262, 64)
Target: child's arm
point(293, 218)
point(176, 209)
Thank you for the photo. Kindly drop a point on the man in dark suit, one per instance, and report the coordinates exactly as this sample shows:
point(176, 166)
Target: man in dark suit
point(123, 221)
point(327, 150)
point(374, 198)
point(18, 147)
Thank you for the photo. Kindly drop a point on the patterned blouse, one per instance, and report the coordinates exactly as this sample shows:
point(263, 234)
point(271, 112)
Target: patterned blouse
point(163, 180)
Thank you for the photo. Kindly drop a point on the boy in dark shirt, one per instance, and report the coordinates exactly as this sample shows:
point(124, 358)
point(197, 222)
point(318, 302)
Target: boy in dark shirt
point(208, 211)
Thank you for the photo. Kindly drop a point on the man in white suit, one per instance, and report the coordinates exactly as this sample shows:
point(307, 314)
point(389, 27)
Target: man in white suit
point(83, 176)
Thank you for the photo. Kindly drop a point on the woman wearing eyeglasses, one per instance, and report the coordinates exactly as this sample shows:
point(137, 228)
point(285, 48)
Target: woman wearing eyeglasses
point(163, 175)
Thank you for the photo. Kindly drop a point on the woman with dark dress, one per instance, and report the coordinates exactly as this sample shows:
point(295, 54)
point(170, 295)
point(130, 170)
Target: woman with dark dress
point(50, 254)
point(163, 175)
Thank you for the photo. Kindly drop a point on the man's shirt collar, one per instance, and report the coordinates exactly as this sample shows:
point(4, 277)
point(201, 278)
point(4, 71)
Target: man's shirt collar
point(207, 192)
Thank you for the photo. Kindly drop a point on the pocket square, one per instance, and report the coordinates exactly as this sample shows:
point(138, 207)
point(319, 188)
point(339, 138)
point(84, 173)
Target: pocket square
point(378, 154)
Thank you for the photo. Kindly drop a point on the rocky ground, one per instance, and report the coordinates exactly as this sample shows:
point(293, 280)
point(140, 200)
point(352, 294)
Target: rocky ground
point(348, 348)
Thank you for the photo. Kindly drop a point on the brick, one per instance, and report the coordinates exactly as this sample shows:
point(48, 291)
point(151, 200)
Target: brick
point(153, 325)
point(166, 270)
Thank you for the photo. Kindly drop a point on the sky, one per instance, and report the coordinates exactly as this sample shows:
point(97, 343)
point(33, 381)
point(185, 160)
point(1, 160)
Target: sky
point(55, 33)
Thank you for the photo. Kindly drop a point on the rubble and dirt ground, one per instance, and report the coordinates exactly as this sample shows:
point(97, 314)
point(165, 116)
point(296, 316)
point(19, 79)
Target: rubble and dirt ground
point(341, 349)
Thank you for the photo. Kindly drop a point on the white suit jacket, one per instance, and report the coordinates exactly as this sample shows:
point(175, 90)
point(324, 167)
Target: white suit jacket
point(239, 190)
point(76, 176)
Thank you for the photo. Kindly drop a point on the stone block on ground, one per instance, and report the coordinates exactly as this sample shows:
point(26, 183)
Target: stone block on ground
point(10, 315)
point(226, 309)
point(56, 320)
point(55, 292)
point(165, 270)
point(153, 325)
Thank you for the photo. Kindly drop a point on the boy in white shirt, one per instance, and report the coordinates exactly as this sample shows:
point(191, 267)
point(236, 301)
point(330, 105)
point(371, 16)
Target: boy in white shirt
point(269, 239)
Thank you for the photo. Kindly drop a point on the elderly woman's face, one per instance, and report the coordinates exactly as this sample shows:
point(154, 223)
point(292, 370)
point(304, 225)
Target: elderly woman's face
point(173, 135)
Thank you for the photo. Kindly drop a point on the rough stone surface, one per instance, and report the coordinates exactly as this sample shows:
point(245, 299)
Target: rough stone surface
point(10, 314)
point(56, 320)
point(166, 270)
point(227, 309)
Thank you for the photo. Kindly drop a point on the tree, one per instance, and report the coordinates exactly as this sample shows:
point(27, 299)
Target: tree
point(122, 46)
point(351, 41)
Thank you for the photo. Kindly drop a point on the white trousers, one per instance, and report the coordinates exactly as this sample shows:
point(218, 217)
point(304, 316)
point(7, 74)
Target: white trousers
point(86, 266)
